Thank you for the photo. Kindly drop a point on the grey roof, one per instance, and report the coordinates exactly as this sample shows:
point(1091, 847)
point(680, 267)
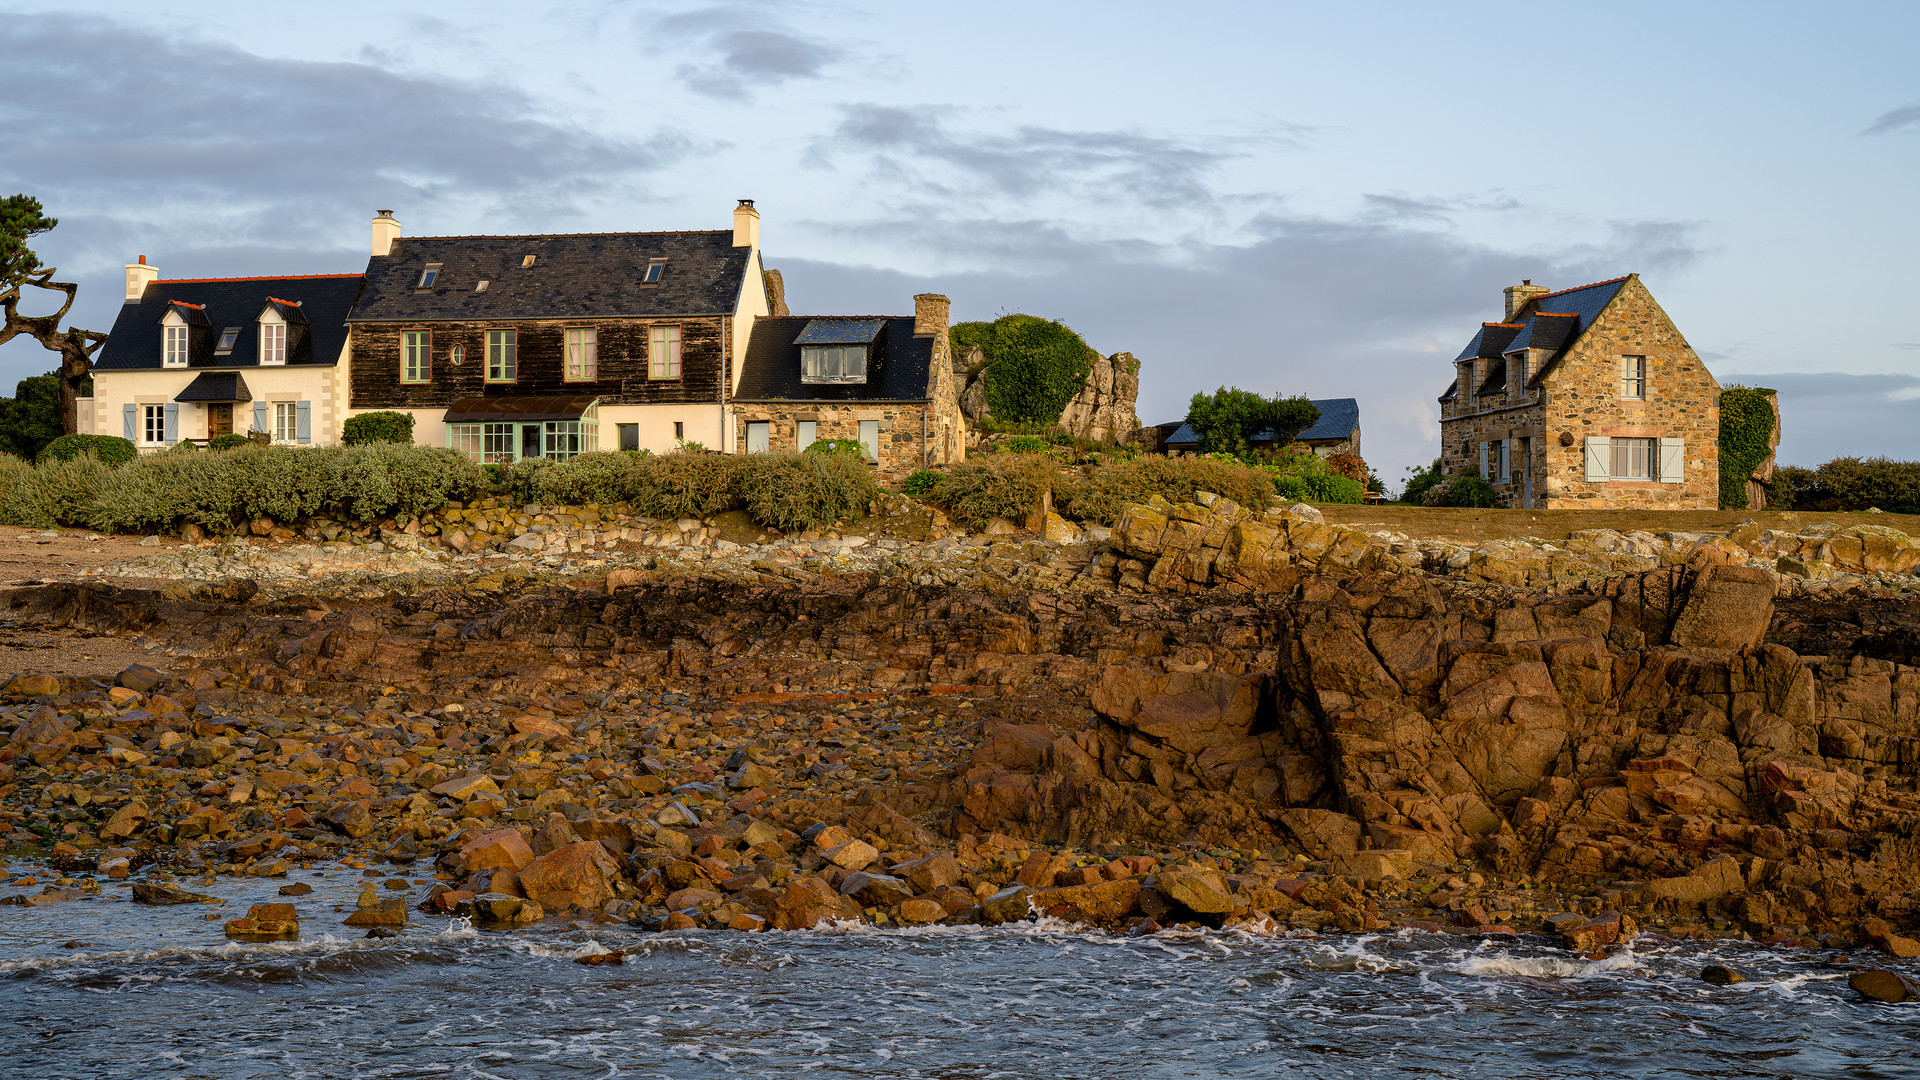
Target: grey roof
point(216, 386)
point(577, 275)
point(840, 332)
point(1339, 417)
point(897, 370)
point(1550, 321)
point(1496, 379)
point(522, 407)
point(1490, 341)
point(324, 302)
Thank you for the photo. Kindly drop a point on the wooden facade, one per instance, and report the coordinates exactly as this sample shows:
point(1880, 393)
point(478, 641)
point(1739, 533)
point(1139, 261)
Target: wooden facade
point(621, 375)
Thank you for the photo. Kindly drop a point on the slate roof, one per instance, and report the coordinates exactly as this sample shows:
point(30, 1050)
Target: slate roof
point(897, 371)
point(472, 410)
point(216, 386)
point(1338, 418)
point(840, 332)
point(325, 299)
point(1551, 321)
point(576, 275)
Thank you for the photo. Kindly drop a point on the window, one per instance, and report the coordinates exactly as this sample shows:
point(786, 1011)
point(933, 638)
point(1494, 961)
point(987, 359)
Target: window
point(153, 425)
point(679, 431)
point(629, 436)
point(286, 422)
point(1633, 459)
point(870, 439)
point(568, 438)
point(833, 363)
point(429, 276)
point(582, 352)
point(227, 337)
point(663, 352)
point(1633, 377)
point(757, 436)
point(416, 356)
point(527, 261)
point(174, 351)
point(503, 355)
point(480, 286)
point(457, 355)
point(654, 270)
point(805, 433)
point(1517, 373)
point(485, 444)
point(273, 343)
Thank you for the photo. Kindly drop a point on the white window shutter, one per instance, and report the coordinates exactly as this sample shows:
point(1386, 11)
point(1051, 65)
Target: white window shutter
point(260, 420)
point(1599, 459)
point(130, 416)
point(1483, 462)
point(1673, 461)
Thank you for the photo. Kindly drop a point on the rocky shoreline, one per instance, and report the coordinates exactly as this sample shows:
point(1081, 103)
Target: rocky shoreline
point(1221, 719)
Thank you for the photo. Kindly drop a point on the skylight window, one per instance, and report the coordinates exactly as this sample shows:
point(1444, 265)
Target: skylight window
point(527, 261)
point(654, 270)
point(480, 286)
point(429, 276)
point(227, 337)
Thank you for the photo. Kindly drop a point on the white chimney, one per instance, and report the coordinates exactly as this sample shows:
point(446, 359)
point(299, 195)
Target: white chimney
point(746, 225)
point(385, 231)
point(138, 276)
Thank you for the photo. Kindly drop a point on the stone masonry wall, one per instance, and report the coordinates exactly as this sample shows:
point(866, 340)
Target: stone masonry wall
point(899, 430)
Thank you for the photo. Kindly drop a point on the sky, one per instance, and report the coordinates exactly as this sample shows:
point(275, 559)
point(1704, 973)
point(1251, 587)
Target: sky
point(1290, 198)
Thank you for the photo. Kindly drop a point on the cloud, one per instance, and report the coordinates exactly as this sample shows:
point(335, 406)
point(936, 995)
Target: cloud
point(1434, 209)
point(921, 148)
point(1825, 415)
point(1898, 120)
point(745, 59)
point(1906, 344)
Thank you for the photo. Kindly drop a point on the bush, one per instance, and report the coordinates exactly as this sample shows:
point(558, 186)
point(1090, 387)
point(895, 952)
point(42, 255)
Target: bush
point(1334, 488)
point(378, 427)
point(1034, 366)
point(57, 493)
point(1791, 488)
point(228, 441)
point(110, 450)
point(1851, 483)
point(1466, 489)
point(1230, 419)
point(281, 482)
point(163, 492)
point(1419, 482)
point(681, 485)
point(1350, 465)
point(803, 491)
point(603, 477)
point(1109, 489)
point(849, 447)
point(1746, 428)
point(1025, 444)
point(382, 480)
point(920, 482)
point(1007, 487)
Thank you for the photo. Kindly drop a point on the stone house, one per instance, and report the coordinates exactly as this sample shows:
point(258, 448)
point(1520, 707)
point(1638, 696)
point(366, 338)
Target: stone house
point(1584, 398)
point(194, 358)
point(1336, 431)
point(548, 346)
point(885, 380)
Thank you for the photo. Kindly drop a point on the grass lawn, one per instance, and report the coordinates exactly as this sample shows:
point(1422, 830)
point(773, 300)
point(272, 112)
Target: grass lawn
point(1473, 526)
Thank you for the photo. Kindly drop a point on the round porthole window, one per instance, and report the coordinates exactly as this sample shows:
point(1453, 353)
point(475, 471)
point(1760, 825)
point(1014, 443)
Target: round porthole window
point(457, 356)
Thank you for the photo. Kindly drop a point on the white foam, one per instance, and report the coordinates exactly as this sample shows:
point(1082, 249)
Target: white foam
point(1545, 967)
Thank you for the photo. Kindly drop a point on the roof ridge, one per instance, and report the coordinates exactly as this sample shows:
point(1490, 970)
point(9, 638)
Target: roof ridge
point(557, 236)
point(257, 277)
point(1557, 314)
point(1577, 288)
point(1509, 325)
point(833, 316)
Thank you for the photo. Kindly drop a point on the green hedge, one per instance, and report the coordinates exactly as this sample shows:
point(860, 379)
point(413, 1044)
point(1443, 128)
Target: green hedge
point(1006, 486)
point(803, 491)
point(1109, 489)
point(1746, 428)
point(378, 427)
point(109, 449)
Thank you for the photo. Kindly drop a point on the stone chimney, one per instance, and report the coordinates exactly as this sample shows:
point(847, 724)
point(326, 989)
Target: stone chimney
point(138, 276)
point(385, 231)
point(1518, 295)
point(746, 225)
point(929, 314)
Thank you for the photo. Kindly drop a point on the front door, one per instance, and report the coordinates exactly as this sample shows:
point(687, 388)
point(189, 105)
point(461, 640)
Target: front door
point(1526, 471)
point(219, 419)
point(529, 440)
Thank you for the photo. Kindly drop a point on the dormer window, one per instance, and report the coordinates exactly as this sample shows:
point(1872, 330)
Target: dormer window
point(173, 348)
point(273, 343)
point(655, 270)
point(836, 350)
point(227, 338)
point(429, 276)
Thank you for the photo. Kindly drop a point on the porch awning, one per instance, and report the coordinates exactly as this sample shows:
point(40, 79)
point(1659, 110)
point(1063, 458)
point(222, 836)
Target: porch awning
point(487, 410)
point(216, 386)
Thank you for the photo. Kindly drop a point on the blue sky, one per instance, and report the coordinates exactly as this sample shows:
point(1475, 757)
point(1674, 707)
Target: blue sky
point(1277, 196)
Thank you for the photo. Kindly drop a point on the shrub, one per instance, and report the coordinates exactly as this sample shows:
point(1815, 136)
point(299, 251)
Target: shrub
point(228, 441)
point(1109, 489)
point(1008, 487)
point(1746, 428)
point(1419, 482)
point(1230, 419)
point(1350, 465)
point(1851, 483)
point(382, 480)
point(1025, 444)
point(602, 477)
point(163, 492)
point(110, 450)
point(849, 447)
point(1292, 489)
point(1333, 488)
point(64, 491)
point(1466, 489)
point(681, 485)
point(1034, 366)
point(378, 427)
point(281, 482)
point(802, 491)
point(1791, 488)
point(920, 482)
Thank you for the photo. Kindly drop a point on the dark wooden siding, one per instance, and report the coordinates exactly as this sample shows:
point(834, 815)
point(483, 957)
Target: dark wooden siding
point(622, 367)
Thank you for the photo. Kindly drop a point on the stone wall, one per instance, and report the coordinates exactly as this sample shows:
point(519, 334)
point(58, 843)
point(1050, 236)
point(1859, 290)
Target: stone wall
point(900, 430)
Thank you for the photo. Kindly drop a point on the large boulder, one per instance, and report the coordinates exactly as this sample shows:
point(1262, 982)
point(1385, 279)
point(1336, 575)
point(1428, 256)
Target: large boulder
point(580, 874)
point(501, 849)
point(808, 902)
point(1729, 607)
point(1188, 710)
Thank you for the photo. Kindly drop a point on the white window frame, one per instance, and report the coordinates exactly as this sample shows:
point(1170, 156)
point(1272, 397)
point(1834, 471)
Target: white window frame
point(285, 417)
point(663, 351)
point(273, 343)
point(153, 425)
point(871, 449)
point(175, 344)
point(583, 354)
point(1633, 458)
point(833, 363)
point(1633, 378)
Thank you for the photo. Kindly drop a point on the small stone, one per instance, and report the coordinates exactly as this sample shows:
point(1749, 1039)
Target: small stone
point(1007, 905)
point(145, 893)
point(1880, 984)
point(1720, 975)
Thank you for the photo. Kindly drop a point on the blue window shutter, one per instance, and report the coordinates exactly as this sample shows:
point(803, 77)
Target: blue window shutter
point(173, 422)
point(130, 415)
point(303, 419)
point(260, 421)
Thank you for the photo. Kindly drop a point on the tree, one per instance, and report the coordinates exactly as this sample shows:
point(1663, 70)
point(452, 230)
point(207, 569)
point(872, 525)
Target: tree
point(21, 219)
point(32, 419)
point(1034, 366)
point(1230, 419)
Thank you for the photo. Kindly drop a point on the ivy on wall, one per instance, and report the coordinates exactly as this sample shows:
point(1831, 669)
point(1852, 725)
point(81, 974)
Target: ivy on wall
point(1746, 429)
point(1034, 365)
